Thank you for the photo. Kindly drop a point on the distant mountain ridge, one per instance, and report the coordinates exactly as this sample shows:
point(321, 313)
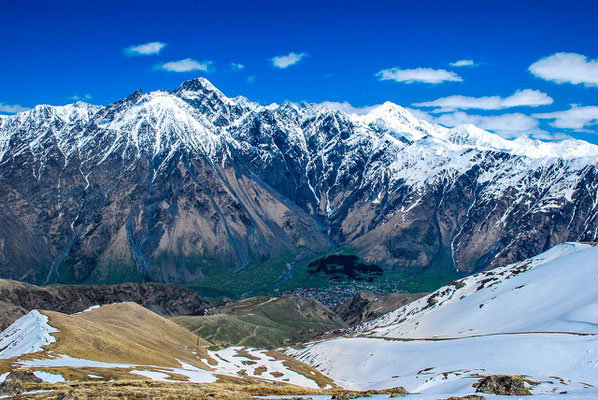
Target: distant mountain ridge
point(18, 298)
point(190, 186)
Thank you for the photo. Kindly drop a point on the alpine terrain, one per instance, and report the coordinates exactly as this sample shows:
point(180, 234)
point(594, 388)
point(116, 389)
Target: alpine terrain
point(191, 187)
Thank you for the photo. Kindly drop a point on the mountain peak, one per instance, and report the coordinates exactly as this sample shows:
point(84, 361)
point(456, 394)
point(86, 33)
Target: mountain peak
point(198, 84)
point(134, 97)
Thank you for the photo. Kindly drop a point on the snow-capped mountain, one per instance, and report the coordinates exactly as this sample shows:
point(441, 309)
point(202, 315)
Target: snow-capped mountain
point(535, 318)
point(181, 185)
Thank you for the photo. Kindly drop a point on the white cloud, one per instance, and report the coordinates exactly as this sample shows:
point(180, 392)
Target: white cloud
point(84, 97)
point(12, 108)
point(425, 75)
point(567, 68)
point(506, 125)
point(462, 63)
point(577, 118)
point(288, 60)
point(145, 49)
point(346, 107)
point(525, 97)
point(237, 66)
point(186, 65)
point(552, 136)
point(251, 79)
point(420, 114)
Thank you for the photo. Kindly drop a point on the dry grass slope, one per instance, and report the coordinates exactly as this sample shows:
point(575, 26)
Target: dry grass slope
point(124, 333)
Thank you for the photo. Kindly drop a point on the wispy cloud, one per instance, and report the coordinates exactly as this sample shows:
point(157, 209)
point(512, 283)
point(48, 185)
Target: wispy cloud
point(576, 118)
point(507, 125)
point(237, 66)
point(463, 63)
point(12, 108)
point(285, 61)
point(84, 97)
point(145, 49)
point(186, 65)
point(424, 75)
point(525, 97)
point(567, 68)
point(346, 107)
point(420, 114)
point(251, 79)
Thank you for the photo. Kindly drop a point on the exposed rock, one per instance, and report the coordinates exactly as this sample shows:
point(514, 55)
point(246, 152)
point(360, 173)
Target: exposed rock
point(366, 306)
point(468, 397)
point(350, 395)
point(399, 391)
point(12, 385)
point(67, 396)
point(12, 388)
point(22, 375)
point(510, 385)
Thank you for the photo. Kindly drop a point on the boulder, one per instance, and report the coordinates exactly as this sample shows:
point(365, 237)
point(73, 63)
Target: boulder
point(11, 388)
point(12, 385)
point(66, 396)
point(399, 391)
point(350, 395)
point(509, 385)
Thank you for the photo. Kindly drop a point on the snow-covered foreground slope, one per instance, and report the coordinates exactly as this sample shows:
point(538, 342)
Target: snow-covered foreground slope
point(537, 318)
point(453, 366)
point(556, 291)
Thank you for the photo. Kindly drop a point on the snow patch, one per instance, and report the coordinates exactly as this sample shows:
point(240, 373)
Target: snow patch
point(49, 377)
point(26, 335)
point(91, 308)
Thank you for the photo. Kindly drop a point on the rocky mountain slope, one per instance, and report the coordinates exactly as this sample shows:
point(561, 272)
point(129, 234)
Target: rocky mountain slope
point(19, 298)
point(366, 306)
point(264, 322)
point(190, 186)
point(535, 318)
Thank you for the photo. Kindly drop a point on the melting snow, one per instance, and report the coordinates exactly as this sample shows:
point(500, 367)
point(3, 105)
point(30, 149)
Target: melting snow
point(26, 335)
point(48, 377)
point(89, 309)
point(153, 375)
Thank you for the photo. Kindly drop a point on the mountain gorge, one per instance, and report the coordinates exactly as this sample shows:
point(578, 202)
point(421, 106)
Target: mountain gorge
point(192, 187)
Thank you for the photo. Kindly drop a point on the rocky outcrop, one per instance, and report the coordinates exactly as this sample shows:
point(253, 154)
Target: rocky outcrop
point(509, 385)
point(13, 383)
point(350, 395)
point(366, 306)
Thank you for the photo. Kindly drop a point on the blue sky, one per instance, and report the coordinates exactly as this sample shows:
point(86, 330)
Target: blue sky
point(535, 63)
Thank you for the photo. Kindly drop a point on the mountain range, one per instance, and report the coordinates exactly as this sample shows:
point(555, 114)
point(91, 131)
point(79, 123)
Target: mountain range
point(192, 187)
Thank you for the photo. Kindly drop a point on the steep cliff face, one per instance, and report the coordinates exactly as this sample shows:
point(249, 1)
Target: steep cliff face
point(181, 185)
